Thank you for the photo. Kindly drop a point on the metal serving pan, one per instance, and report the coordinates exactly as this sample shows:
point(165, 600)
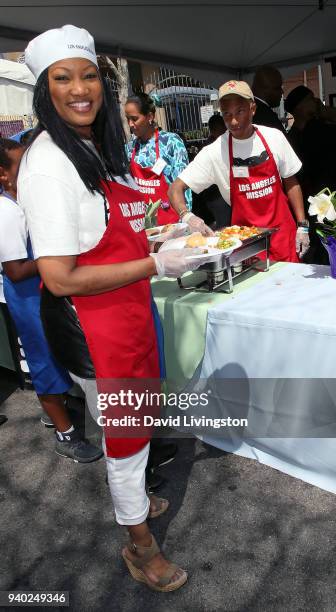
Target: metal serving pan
point(219, 272)
point(250, 247)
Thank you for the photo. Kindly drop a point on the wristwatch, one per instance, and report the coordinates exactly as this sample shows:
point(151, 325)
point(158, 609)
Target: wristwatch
point(182, 211)
point(304, 223)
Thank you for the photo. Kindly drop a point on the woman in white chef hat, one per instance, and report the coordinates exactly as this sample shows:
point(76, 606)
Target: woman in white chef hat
point(86, 226)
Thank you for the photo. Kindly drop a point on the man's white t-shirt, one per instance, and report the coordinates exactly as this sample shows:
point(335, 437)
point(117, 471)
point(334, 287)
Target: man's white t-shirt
point(212, 166)
point(13, 235)
point(63, 217)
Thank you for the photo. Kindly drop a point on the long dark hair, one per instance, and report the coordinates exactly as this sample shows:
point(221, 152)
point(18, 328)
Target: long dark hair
point(107, 131)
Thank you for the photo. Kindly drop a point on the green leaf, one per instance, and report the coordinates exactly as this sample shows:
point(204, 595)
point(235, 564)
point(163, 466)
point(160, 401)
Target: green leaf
point(150, 218)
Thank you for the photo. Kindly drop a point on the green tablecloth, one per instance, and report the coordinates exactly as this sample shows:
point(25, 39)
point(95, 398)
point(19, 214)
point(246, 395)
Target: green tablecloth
point(184, 316)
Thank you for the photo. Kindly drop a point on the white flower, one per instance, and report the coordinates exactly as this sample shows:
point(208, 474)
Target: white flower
point(322, 206)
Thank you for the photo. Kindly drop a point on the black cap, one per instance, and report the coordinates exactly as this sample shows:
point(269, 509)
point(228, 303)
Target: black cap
point(296, 96)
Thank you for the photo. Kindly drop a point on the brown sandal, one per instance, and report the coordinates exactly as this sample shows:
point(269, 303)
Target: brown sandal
point(141, 556)
point(161, 506)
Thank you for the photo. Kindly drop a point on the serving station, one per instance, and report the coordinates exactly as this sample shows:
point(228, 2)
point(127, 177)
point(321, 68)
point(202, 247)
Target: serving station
point(268, 351)
point(221, 274)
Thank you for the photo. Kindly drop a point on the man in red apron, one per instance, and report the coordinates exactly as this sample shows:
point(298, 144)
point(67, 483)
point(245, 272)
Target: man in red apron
point(254, 168)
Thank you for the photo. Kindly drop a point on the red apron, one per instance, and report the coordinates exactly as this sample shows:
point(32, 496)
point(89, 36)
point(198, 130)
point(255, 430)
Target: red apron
point(153, 186)
point(118, 325)
point(259, 200)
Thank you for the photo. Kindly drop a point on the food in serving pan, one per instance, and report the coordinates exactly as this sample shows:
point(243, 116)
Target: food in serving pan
point(196, 240)
point(238, 231)
point(225, 243)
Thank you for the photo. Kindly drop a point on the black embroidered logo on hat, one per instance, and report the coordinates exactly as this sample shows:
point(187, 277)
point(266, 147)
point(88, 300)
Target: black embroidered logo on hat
point(83, 47)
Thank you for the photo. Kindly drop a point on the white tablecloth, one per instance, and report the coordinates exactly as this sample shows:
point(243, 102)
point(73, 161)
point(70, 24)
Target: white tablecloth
point(279, 339)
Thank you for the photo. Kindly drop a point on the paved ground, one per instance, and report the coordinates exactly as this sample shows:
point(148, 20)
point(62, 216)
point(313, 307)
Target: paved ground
point(251, 538)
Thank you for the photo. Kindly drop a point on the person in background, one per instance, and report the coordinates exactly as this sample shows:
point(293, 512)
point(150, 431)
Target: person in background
point(254, 168)
point(22, 292)
point(3, 418)
point(267, 91)
point(301, 104)
point(86, 222)
point(156, 157)
point(3, 308)
point(313, 131)
point(313, 137)
point(23, 137)
point(216, 128)
point(211, 198)
point(27, 137)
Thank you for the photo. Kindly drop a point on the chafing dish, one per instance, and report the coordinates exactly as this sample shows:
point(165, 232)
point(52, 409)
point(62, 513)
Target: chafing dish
point(221, 273)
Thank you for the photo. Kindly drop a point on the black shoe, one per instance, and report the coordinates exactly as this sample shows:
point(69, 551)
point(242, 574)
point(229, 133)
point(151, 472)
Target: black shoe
point(76, 448)
point(161, 454)
point(153, 480)
point(3, 419)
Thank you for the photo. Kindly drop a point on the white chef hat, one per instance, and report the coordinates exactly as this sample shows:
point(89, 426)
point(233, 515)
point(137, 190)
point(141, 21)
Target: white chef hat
point(61, 43)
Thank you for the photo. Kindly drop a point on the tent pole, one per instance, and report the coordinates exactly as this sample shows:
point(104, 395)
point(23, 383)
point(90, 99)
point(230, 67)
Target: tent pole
point(320, 82)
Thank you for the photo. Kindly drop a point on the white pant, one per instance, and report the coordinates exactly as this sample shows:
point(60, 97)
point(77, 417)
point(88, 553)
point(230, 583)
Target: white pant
point(126, 476)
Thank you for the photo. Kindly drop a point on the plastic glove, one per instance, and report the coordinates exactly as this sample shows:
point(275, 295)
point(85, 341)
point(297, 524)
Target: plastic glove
point(176, 262)
point(302, 241)
point(197, 225)
point(177, 232)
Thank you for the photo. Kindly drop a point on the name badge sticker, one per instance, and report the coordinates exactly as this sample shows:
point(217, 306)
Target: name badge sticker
point(159, 166)
point(240, 171)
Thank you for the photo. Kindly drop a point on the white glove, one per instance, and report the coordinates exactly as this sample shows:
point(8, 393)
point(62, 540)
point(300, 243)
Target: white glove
point(196, 224)
point(176, 262)
point(177, 232)
point(302, 241)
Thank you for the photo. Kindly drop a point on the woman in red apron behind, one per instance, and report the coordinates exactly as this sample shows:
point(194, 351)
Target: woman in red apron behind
point(156, 157)
point(87, 230)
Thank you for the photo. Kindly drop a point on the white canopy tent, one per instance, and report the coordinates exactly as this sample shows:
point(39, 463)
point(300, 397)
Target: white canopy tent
point(16, 88)
point(217, 39)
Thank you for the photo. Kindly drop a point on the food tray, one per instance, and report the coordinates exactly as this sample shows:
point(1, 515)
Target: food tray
point(220, 274)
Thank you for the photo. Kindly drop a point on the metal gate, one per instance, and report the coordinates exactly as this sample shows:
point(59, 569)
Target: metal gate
point(185, 105)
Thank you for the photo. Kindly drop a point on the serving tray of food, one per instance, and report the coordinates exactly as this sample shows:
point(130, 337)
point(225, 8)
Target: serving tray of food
point(206, 245)
point(233, 262)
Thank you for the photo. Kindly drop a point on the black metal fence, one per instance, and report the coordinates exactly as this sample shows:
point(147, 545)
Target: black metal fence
point(185, 105)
